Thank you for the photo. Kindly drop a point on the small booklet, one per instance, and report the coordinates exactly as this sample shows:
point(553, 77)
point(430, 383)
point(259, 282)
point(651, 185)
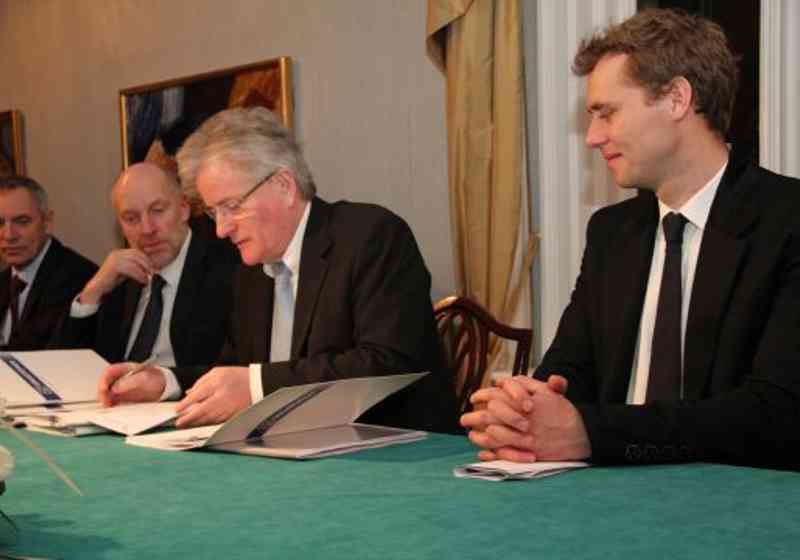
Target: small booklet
point(49, 377)
point(507, 470)
point(300, 422)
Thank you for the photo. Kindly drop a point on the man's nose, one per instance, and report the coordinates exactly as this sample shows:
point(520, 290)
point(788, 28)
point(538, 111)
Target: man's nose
point(596, 135)
point(223, 225)
point(8, 231)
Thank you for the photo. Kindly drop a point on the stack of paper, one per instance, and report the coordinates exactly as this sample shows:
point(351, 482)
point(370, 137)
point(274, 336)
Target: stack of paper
point(92, 418)
point(506, 470)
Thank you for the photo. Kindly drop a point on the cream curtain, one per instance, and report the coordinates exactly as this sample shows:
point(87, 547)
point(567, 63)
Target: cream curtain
point(478, 46)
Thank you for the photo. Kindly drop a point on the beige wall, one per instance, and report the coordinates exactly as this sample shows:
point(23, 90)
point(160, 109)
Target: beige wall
point(368, 104)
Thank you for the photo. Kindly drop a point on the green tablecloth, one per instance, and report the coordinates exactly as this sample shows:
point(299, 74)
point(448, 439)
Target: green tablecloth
point(397, 502)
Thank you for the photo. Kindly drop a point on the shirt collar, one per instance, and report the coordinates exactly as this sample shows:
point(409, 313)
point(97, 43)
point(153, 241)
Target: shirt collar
point(172, 272)
point(29, 272)
point(697, 208)
point(291, 257)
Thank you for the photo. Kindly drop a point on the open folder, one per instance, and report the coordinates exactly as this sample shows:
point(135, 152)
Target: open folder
point(300, 422)
point(49, 377)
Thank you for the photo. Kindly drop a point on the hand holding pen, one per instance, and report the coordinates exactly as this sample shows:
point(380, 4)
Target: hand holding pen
point(130, 382)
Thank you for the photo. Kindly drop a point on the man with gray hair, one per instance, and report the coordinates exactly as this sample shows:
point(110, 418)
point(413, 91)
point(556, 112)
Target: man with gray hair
point(325, 292)
point(42, 275)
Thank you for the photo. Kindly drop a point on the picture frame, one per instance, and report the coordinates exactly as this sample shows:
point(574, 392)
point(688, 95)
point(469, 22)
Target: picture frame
point(156, 118)
point(11, 158)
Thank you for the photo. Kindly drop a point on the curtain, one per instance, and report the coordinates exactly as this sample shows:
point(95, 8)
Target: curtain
point(477, 44)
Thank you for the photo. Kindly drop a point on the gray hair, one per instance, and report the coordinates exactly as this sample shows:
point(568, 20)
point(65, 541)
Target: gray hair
point(253, 139)
point(11, 182)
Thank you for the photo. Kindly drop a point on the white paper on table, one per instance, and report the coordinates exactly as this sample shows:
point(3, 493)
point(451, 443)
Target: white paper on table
point(132, 419)
point(129, 419)
point(507, 470)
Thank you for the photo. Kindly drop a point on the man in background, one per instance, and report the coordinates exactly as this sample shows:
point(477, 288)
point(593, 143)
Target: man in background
point(325, 291)
point(680, 341)
point(167, 294)
point(42, 275)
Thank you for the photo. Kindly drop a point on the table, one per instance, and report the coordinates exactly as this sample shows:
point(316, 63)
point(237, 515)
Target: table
point(397, 502)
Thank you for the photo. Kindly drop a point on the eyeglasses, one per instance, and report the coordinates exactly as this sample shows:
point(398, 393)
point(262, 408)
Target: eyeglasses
point(234, 206)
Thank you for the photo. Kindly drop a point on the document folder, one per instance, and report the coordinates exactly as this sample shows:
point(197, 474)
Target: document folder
point(300, 422)
point(49, 377)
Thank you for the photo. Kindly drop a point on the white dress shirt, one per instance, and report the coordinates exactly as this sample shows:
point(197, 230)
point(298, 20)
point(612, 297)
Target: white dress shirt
point(291, 258)
point(696, 211)
point(27, 275)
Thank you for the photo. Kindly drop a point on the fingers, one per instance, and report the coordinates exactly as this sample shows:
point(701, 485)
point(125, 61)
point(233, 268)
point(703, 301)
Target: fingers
point(107, 379)
point(515, 455)
point(502, 413)
point(134, 264)
point(558, 384)
point(217, 395)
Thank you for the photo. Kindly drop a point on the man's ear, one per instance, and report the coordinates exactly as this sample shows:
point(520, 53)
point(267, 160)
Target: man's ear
point(680, 96)
point(48, 221)
point(287, 183)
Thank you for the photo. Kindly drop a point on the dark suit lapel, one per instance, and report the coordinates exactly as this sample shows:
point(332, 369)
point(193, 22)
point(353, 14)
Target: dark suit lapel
point(722, 253)
point(133, 290)
point(259, 317)
point(313, 268)
point(629, 261)
point(47, 269)
point(187, 297)
point(5, 285)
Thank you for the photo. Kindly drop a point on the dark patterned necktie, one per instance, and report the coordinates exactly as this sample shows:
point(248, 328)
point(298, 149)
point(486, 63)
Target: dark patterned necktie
point(666, 363)
point(151, 323)
point(17, 287)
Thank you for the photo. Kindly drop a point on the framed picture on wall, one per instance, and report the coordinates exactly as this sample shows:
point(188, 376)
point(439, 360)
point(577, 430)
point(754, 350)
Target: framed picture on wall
point(156, 118)
point(11, 161)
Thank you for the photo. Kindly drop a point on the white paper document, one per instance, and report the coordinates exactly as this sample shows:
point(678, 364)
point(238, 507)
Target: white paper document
point(49, 376)
point(92, 418)
point(300, 422)
point(506, 470)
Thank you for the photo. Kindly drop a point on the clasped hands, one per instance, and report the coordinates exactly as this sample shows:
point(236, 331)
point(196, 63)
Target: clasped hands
point(525, 420)
point(215, 397)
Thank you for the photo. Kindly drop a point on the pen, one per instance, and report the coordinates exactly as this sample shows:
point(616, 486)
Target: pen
point(136, 369)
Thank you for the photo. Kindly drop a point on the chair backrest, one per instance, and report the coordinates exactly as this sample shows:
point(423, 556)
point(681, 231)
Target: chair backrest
point(464, 328)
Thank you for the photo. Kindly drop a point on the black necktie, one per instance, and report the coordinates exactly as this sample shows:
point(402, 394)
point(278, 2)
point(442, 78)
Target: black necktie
point(17, 287)
point(151, 323)
point(664, 383)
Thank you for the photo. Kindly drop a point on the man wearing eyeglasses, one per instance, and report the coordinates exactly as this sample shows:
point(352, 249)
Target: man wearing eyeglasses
point(325, 292)
point(167, 294)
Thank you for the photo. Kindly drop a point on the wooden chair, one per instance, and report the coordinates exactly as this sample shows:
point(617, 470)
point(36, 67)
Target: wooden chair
point(465, 328)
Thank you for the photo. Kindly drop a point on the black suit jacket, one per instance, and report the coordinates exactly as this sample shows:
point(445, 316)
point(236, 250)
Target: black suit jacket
point(363, 308)
point(60, 277)
point(742, 342)
point(198, 322)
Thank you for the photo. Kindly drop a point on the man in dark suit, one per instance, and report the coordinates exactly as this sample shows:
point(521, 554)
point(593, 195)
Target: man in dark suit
point(678, 344)
point(326, 291)
point(42, 275)
point(191, 273)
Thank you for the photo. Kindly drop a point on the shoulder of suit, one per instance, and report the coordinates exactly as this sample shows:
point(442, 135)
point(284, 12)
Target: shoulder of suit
point(362, 214)
point(74, 262)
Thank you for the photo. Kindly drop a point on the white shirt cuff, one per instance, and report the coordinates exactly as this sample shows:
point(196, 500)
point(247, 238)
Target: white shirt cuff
point(80, 310)
point(256, 388)
point(172, 390)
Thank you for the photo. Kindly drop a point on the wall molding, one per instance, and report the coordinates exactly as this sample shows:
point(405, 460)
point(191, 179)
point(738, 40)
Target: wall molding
point(779, 87)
